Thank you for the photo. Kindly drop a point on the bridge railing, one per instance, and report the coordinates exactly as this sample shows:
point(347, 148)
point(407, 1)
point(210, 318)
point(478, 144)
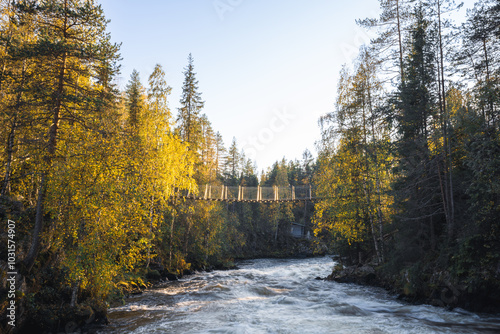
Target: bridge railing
point(242, 193)
point(303, 192)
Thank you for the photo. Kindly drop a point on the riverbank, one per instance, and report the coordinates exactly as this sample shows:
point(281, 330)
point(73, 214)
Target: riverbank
point(438, 288)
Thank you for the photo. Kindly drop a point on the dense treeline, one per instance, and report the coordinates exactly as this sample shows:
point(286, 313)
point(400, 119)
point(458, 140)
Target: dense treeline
point(410, 158)
point(408, 165)
point(88, 172)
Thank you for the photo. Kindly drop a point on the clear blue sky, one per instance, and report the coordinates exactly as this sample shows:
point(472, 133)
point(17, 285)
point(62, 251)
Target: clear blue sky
point(267, 69)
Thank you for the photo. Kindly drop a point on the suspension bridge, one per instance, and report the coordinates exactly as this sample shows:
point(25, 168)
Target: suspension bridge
point(258, 194)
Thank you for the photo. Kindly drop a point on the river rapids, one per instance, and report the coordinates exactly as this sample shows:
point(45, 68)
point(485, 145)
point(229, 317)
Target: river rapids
point(283, 296)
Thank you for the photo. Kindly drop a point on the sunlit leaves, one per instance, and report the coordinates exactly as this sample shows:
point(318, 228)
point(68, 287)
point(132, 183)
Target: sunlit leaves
point(354, 162)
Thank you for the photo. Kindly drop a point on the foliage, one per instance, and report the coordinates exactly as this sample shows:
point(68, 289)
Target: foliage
point(432, 171)
point(354, 174)
point(406, 175)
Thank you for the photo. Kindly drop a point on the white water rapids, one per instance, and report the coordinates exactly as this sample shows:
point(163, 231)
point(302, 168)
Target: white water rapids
point(283, 296)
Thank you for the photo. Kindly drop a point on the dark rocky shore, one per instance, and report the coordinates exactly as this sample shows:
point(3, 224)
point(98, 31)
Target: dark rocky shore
point(441, 289)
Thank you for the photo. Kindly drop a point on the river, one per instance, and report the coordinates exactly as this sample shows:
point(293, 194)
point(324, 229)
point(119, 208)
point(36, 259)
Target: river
point(283, 296)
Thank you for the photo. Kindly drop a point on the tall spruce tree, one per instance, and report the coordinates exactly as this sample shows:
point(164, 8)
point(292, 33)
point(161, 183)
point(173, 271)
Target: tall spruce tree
point(220, 155)
point(416, 95)
point(438, 11)
point(417, 185)
point(233, 164)
point(191, 105)
point(135, 100)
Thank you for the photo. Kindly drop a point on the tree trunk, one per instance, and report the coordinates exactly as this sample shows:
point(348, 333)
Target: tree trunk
point(377, 179)
point(74, 293)
point(171, 239)
point(488, 82)
point(447, 144)
point(35, 242)
point(12, 133)
point(7, 43)
point(372, 223)
point(400, 41)
point(51, 151)
point(367, 170)
point(9, 151)
point(150, 231)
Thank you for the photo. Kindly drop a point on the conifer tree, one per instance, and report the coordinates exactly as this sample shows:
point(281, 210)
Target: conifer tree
point(438, 9)
point(135, 100)
point(417, 188)
point(233, 163)
point(191, 104)
point(220, 154)
point(208, 151)
point(416, 94)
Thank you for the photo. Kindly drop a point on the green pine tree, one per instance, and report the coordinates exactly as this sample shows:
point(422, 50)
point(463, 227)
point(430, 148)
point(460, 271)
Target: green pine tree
point(191, 105)
point(135, 100)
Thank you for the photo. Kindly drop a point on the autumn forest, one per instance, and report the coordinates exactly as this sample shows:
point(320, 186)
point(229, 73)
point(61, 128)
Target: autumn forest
point(407, 176)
